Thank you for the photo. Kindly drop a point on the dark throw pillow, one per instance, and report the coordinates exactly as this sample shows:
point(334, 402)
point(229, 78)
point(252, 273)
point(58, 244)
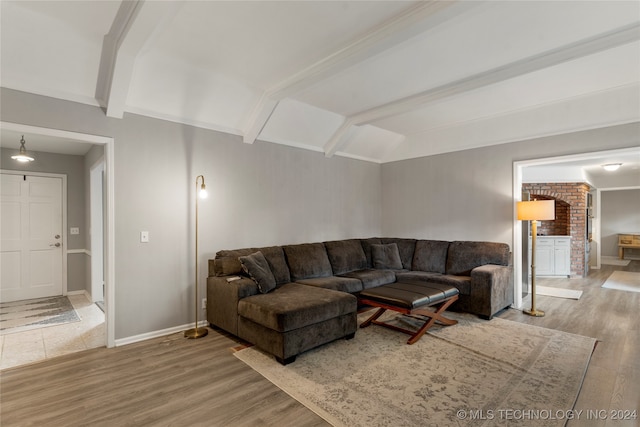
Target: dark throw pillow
point(257, 267)
point(386, 256)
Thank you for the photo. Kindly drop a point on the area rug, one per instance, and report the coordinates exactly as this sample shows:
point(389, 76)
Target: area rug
point(609, 260)
point(623, 281)
point(558, 292)
point(475, 373)
point(25, 315)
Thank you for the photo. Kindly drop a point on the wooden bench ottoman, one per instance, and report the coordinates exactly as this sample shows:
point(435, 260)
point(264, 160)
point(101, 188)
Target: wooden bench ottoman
point(410, 297)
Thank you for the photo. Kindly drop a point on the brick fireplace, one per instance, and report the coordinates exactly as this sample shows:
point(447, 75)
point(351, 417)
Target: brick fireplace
point(571, 216)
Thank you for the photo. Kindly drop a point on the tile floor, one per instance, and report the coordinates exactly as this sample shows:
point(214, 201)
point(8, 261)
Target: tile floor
point(36, 345)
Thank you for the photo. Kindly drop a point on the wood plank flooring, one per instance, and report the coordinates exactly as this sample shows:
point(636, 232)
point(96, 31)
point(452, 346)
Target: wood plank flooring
point(172, 381)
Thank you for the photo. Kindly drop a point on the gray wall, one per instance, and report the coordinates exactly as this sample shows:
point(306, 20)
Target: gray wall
point(467, 195)
point(260, 194)
point(264, 194)
point(620, 213)
point(73, 167)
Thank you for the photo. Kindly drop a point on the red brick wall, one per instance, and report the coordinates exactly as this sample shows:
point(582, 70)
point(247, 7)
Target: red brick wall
point(571, 216)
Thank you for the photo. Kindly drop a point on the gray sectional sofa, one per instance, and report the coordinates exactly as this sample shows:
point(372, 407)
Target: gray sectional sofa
point(289, 299)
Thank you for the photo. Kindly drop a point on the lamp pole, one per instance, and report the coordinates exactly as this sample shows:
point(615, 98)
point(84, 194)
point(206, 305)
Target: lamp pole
point(533, 311)
point(201, 192)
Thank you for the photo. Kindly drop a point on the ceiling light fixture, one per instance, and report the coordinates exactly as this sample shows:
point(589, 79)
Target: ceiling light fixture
point(612, 166)
point(23, 156)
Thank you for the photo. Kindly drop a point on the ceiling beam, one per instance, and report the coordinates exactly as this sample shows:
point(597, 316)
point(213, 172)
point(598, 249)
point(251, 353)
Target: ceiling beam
point(136, 24)
point(412, 21)
point(608, 40)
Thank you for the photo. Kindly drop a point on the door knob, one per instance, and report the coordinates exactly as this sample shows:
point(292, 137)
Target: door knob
point(57, 236)
point(57, 245)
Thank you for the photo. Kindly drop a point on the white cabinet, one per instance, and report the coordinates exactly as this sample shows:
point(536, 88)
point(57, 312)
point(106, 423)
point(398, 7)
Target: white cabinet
point(553, 255)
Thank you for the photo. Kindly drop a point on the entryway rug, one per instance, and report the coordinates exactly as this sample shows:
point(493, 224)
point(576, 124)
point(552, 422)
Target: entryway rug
point(558, 292)
point(623, 281)
point(474, 373)
point(609, 260)
point(25, 315)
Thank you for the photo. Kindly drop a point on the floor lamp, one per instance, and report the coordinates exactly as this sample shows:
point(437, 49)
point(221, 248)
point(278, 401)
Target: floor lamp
point(201, 193)
point(534, 211)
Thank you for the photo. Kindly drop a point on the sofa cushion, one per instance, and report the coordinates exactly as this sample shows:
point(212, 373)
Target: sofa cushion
point(386, 256)
point(371, 278)
point(366, 247)
point(462, 257)
point(345, 255)
point(430, 255)
point(307, 261)
point(344, 284)
point(257, 267)
point(406, 248)
point(292, 306)
point(227, 263)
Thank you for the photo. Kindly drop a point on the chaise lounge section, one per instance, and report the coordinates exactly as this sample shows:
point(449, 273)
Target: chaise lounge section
point(308, 297)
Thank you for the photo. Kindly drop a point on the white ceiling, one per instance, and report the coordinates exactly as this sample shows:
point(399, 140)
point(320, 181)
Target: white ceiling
point(374, 80)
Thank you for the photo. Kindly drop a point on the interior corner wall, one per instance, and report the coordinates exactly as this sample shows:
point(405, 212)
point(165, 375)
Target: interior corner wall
point(93, 155)
point(467, 195)
point(259, 194)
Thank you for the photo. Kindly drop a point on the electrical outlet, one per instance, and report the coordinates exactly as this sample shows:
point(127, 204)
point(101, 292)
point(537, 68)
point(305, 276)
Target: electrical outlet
point(204, 303)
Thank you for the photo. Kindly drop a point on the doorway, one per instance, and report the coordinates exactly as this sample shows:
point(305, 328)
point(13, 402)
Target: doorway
point(108, 207)
point(518, 239)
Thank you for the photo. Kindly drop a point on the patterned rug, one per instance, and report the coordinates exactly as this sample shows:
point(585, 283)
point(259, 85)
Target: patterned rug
point(623, 281)
point(475, 373)
point(22, 316)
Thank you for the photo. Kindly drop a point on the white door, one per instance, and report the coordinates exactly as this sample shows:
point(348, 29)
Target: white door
point(31, 237)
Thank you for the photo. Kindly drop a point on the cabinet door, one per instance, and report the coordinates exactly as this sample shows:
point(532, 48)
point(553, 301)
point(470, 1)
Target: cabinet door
point(544, 257)
point(562, 257)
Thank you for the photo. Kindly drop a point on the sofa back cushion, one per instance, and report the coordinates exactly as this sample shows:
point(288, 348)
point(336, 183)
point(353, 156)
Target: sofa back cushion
point(386, 256)
point(431, 256)
point(227, 263)
point(346, 256)
point(406, 247)
point(366, 247)
point(307, 261)
point(462, 257)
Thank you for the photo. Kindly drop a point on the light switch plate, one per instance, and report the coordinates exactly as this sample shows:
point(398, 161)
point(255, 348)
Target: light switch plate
point(144, 237)
point(74, 230)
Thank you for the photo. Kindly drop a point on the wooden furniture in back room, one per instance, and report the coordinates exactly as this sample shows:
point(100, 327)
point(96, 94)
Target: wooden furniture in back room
point(627, 240)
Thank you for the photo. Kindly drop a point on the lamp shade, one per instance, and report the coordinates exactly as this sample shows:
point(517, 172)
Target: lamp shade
point(536, 210)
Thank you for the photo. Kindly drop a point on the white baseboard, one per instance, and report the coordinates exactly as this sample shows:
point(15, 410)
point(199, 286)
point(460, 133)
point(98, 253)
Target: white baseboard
point(156, 334)
point(81, 292)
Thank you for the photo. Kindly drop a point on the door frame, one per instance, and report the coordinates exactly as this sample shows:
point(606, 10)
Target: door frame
point(64, 213)
point(96, 215)
point(109, 209)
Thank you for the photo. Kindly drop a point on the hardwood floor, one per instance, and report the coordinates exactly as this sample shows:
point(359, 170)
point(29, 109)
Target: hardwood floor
point(175, 381)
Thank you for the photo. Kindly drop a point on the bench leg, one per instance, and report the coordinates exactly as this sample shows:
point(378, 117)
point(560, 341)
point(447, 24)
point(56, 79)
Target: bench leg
point(434, 316)
point(371, 319)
